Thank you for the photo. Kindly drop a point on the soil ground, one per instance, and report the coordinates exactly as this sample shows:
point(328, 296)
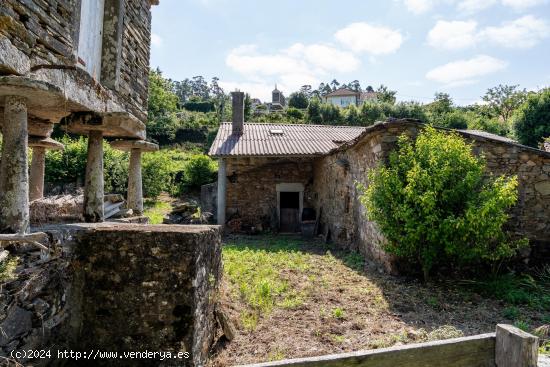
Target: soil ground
point(294, 298)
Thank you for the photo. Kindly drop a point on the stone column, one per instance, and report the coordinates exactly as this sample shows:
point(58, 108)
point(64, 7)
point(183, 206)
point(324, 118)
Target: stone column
point(93, 189)
point(135, 189)
point(36, 177)
point(14, 177)
point(222, 183)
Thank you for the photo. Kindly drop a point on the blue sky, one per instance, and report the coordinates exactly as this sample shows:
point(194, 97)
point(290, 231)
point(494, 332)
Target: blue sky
point(417, 47)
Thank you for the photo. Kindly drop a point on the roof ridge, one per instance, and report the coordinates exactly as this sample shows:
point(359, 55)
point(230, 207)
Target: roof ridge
point(309, 125)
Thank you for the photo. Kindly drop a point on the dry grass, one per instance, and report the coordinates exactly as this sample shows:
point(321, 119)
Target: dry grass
point(292, 298)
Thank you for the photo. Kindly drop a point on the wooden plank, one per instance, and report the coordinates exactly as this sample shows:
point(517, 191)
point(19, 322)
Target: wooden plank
point(25, 238)
point(515, 347)
point(473, 351)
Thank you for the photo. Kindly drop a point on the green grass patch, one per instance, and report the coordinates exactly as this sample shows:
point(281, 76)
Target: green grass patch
point(259, 274)
point(156, 210)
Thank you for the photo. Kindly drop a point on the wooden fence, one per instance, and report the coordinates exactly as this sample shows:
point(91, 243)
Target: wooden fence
point(507, 347)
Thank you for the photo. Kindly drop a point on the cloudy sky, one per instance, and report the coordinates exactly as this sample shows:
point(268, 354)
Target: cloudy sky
point(417, 47)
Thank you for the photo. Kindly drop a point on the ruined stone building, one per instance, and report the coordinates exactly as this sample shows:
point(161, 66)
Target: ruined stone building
point(279, 176)
point(83, 62)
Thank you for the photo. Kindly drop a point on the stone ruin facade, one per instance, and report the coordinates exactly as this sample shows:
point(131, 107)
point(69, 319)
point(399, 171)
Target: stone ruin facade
point(85, 64)
point(252, 186)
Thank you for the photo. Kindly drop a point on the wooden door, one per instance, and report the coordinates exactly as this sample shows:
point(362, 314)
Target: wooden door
point(289, 214)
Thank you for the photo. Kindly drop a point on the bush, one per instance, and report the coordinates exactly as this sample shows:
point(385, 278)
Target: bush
point(69, 165)
point(199, 106)
point(532, 120)
point(434, 205)
point(294, 113)
point(161, 171)
point(200, 169)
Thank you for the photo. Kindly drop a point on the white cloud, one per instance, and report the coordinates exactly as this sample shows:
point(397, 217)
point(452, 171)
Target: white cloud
point(375, 40)
point(522, 4)
point(419, 6)
point(156, 40)
point(524, 32)
point(291, 68)
point(462, 72)
point(325, 57)
point(453, 35)
point(472, 6)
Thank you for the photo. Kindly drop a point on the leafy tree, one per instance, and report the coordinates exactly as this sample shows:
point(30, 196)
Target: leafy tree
point(307, 90)
point(331, 114)
point(352, 116)
point(453, 120)
point(334, 84)
point(371, 112)
point(355, 85)
point(386, 95)
point(504, 100)
point(532, 120)
point(442, 104)
point(369, 89)
point(314, 111)
point(162, 99)
point(434, 205)
point(298, 100)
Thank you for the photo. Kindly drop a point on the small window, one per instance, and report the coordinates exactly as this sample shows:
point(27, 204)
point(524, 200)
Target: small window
point(276, 132)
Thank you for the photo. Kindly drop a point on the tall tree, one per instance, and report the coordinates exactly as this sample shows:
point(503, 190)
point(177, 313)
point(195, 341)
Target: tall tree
point(355, 85)
point(384, 94)
point(334, 84)
point(504, 100)
point(532, 120)
point(298, 100)
point(162, 99)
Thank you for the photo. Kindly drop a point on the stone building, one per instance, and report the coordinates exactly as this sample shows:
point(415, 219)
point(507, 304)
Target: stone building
point(274, 176)
point(81, 62)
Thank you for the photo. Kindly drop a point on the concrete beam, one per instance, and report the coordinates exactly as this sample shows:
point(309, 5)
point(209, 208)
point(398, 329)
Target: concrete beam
point(515, 347)
point(14, 177)
point(111, 124)
point(128, 145)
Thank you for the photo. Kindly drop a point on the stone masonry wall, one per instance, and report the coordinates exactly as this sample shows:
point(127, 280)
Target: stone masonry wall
point(344, 216)
point(116, 287)
point(251, 188)
point(39, 39)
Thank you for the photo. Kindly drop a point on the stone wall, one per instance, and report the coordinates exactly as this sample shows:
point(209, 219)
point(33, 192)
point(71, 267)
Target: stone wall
point(39, 39)
point(343, 217)
point(115, 287)
point(251, 188)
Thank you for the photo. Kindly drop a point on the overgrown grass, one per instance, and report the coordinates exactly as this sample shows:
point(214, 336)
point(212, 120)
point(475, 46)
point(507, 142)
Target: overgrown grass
point(155, 210)
point(257, 273)
point(532, 290)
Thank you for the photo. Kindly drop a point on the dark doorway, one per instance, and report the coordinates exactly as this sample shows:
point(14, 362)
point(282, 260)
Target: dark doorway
point(290, 212)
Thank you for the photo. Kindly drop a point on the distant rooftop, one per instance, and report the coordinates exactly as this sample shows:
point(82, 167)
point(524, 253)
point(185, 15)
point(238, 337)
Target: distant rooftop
point(260, 139)
point(342, 92)
point(485, 134)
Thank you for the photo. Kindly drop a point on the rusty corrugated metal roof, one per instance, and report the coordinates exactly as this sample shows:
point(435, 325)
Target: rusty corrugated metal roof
point(260, 139)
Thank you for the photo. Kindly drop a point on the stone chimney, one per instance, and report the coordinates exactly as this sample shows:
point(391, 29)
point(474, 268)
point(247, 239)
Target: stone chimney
point(238, 112)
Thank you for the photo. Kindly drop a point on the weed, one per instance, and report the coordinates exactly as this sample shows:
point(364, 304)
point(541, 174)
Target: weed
point(511, 313)
point(338, 338)
point(522, 325)
point(433, 302)
point(276, 355)
point(354, 261)
point(249, 320)
point(338, 313)
point(156, 210)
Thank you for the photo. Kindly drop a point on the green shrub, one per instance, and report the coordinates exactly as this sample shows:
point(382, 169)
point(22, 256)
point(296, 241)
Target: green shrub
point(434, 205)
point(69, 165)
point(200, 169)
point(161, 171)
point(294, 113)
